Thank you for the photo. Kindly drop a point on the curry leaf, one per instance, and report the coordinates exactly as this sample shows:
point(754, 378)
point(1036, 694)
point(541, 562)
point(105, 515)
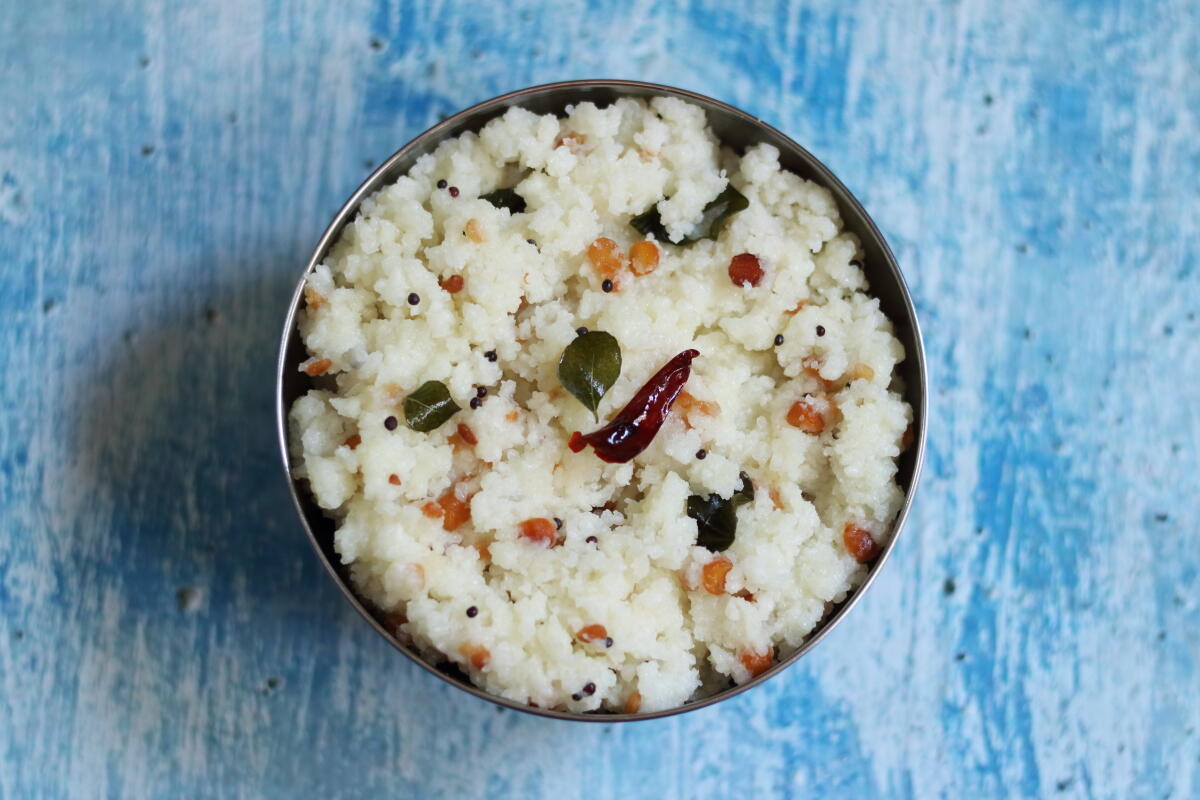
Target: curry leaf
point(429, 406)
point(590, 366)
point(717, 213)
point(744, 493)
point(650, 223)
point(712, 218)
point(716, 517)
point(506, 198)
point(716, 521)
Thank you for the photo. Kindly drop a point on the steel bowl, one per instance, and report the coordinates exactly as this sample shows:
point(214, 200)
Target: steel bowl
point(736, 129)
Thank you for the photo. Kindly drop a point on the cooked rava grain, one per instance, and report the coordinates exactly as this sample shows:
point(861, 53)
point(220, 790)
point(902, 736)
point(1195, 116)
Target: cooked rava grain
point(550, 576)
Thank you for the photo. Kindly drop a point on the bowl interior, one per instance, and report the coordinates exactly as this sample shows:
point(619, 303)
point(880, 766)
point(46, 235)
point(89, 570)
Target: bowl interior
point(735, 129)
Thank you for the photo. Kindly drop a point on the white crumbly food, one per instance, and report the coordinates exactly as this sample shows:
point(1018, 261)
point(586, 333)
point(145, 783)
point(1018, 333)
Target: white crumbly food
point(626, 556)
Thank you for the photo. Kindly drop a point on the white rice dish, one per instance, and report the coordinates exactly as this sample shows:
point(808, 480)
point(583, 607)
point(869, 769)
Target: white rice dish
point(519, 614)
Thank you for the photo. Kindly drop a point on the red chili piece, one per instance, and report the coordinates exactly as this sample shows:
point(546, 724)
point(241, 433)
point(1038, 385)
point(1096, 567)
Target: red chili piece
point(745, 270)
point(632, 430)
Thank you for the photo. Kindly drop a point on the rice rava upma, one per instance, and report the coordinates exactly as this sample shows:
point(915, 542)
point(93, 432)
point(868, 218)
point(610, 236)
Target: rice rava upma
point(606, 415)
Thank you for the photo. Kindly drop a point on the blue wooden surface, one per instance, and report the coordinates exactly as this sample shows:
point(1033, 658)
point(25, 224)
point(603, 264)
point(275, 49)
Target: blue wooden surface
point(165, 169)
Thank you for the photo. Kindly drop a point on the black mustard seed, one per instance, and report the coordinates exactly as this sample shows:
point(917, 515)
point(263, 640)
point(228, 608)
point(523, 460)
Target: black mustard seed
point(390, 423)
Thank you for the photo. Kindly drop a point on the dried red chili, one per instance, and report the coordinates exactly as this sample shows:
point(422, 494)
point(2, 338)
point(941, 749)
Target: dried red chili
point(632, 430)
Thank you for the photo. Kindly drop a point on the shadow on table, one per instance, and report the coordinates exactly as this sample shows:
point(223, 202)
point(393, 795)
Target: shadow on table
point(179, 466)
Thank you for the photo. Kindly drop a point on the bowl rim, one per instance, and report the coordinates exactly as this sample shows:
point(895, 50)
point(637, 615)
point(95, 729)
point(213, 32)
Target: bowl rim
point(920, 409)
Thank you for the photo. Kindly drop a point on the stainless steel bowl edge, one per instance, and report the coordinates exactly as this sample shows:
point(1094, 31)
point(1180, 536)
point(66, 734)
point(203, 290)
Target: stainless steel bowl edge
point(735, 128)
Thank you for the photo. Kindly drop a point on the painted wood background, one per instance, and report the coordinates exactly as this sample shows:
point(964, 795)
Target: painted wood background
point(165, 169)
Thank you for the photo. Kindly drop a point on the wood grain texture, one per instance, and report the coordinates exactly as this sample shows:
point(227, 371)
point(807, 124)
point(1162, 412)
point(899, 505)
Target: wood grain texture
point(165, 169)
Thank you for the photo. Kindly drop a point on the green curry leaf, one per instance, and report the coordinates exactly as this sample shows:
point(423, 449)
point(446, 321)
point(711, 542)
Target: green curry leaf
point(429, 406)
point(716, 517)
point(712, 219)
point(590, 366)
point(506, 198)
point(649, 223)
point(744, 493)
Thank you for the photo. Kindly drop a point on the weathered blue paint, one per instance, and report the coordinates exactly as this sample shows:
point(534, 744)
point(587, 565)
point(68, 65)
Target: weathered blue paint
point(165, 169)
